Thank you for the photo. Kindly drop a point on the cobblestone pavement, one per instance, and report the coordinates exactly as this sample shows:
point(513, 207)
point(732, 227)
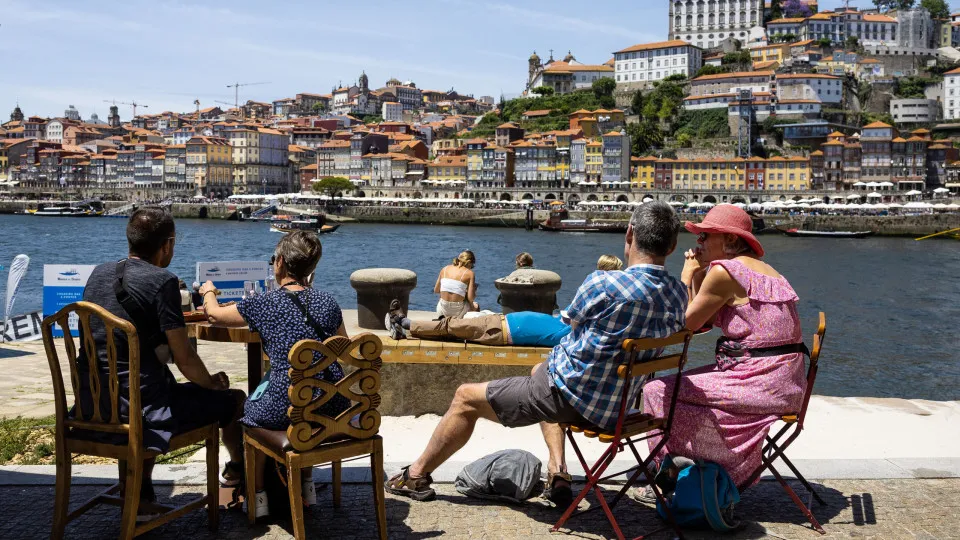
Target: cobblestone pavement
point(887, 509)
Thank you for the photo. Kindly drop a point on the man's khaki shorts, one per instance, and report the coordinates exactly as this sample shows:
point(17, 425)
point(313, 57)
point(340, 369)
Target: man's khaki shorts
point(524, 401)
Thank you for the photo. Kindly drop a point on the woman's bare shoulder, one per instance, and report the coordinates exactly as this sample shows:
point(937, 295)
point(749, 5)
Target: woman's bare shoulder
point(759, 266)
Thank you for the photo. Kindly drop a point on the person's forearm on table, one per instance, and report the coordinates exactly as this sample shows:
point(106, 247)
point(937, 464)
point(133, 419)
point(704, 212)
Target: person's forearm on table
point(221, 315)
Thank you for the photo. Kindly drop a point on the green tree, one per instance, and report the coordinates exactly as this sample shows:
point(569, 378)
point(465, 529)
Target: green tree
point(603, 89)
point(887, 5)
point(644, 136)
point(710, 69)
point(685, 140)
point(332, 185)
point(911, 87)
point(543, 91)
point(319, 108)
point(371, 119)
point(938, 8)
point(739, 58)
point(824, 42)
point(676, 77)
point(636, 102)
point(853, 43)
point(776, 11)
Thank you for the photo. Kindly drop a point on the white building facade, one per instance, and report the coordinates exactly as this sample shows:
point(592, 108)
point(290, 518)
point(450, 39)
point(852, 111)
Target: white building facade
point(646, 63)
point(810, 86)
point(707, 23)
point(392, 111)
point(951, 95)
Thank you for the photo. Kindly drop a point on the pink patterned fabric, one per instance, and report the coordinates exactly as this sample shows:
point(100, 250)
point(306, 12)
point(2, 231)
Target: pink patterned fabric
point(723, 416)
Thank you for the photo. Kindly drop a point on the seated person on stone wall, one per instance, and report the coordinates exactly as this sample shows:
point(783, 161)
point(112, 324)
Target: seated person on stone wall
point(456, 286)
point(293, 312)
point(151, 301)
point(578, 382)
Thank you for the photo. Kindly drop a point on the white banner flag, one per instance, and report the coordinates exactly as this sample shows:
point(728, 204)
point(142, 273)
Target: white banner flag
point(17, 270)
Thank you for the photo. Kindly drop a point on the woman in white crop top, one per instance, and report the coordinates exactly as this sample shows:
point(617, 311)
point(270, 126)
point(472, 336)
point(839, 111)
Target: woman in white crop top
point(456, 287)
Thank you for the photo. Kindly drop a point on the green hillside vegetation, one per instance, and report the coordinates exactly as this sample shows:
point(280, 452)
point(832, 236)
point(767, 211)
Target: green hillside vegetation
point(704, 124)
point(560, 106)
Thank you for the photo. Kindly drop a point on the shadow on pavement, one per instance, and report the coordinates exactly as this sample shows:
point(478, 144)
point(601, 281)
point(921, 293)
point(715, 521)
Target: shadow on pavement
point(6, 352)
point(763, 503)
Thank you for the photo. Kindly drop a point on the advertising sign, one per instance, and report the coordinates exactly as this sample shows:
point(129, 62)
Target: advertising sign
point(62, 285)
point(229, 276)
point(24, 327)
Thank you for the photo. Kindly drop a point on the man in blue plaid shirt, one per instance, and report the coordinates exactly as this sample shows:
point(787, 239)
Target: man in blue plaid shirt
point(578, 382)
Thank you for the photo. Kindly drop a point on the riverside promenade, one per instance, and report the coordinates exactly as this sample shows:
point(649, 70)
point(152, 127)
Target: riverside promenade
point(887, 468)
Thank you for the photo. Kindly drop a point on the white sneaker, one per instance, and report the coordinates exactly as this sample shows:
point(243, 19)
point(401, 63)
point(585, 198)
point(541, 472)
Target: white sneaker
point(263, 506)
point(309, 491)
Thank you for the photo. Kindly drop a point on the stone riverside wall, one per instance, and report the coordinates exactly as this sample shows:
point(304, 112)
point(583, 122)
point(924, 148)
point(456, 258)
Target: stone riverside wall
point(415, 389)
point(881, 225)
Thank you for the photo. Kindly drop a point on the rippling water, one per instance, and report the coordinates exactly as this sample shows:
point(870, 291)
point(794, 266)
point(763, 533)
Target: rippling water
point(892, 304)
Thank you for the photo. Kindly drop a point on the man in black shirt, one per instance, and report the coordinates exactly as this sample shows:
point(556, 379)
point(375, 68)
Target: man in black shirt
point(139, 290)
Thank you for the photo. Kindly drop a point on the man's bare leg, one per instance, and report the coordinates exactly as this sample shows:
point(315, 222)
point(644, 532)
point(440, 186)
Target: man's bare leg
point(455, 428)
point(553, 436)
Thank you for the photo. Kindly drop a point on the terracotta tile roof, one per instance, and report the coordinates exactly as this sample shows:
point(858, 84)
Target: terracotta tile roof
point(508, 125)
point(878, 124)
point(836, 134)
point(538, 112)
point(734, 75)
point(787, 20)
point(920, 131)
point(563, 67)
point(652, 46)
point(785, 76)
point(878, 18)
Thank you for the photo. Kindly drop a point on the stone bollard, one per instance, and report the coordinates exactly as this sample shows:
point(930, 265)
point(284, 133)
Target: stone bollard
point(376, 287)
point(529, 290)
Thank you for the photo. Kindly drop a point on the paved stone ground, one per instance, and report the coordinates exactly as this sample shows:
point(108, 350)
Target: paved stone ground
point(887, 509)
point(25, 388)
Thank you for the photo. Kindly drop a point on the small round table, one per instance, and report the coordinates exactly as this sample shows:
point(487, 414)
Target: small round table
point(221, 334)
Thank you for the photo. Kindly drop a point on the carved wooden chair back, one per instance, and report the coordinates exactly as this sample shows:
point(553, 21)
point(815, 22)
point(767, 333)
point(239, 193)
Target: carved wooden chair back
point(309, 426)
point(98, 418)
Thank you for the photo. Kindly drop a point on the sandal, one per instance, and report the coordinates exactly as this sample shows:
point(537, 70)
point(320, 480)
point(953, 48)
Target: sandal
point(417, 489)
point(562, 495)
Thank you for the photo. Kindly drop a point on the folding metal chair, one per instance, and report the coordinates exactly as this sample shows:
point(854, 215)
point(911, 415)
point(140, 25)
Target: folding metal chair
point(793, 425)
point(632, 427)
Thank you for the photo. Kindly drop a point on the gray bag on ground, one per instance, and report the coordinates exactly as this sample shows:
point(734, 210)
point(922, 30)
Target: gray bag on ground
point(508, 475)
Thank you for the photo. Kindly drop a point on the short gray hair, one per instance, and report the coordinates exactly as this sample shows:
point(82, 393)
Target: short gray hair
point(655, 228)
point(301, 251)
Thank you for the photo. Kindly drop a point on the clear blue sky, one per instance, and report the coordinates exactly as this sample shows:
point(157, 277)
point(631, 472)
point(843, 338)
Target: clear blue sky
point(166, 53)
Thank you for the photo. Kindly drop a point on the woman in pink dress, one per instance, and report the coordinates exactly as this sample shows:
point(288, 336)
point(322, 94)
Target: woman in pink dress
point(725, 410)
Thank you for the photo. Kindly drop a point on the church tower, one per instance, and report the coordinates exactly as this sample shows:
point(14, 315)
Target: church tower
point(17, 114)
point(534, 67)
point(114, 118)
point(364, 82)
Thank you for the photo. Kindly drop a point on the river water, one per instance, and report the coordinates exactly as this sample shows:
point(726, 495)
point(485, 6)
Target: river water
point(892, 304)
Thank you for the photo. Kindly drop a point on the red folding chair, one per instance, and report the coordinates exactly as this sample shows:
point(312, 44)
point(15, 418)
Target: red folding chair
point(793, 425)
point(632, 426)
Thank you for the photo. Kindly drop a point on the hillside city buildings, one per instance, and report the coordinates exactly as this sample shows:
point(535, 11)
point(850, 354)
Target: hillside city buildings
point(802, 71)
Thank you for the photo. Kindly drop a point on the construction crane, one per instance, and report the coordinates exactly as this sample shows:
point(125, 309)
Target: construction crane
point(236, 91)
point(133, 104)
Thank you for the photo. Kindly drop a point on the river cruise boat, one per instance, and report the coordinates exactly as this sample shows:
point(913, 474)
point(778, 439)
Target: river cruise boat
point(560, 221)
point(66, 211)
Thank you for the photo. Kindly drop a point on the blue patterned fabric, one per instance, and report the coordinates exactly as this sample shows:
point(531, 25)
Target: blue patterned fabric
point(281, 325)
point(642, 301)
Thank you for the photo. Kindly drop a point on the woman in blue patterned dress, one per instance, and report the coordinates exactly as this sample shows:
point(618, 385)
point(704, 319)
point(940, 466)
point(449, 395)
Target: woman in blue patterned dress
point(293, 312)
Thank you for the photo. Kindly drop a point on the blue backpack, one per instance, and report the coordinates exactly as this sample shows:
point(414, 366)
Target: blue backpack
point(704, 496)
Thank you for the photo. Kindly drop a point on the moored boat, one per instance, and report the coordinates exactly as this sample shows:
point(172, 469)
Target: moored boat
point(559, 222)
point(826, 234)
point(313, 225)
point(66, 211)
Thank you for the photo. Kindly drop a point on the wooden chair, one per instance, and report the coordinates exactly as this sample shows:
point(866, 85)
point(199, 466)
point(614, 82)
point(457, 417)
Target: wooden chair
point(632, 427)
point(130, 453)
point(793, 425)
point(314, 438)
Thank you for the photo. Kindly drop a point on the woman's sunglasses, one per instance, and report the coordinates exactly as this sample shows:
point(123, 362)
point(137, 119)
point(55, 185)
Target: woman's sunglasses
point(702, 237)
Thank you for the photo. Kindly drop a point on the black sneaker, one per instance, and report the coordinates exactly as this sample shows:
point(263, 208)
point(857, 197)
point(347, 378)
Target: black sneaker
point(393, 320)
